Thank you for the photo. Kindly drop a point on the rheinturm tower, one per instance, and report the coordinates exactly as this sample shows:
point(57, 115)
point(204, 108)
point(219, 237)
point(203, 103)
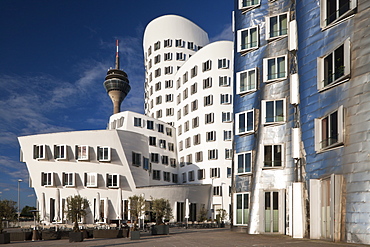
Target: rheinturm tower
point(117, 84)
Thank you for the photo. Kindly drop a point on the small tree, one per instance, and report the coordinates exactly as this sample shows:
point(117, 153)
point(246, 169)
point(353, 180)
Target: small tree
point(161, 209)
point(137, 208)
point(221, 215)
point(76, 209)
point(202, 214)
point(8, 211)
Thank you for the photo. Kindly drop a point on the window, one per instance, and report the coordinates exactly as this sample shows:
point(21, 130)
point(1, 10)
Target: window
point(168, 70)
point(248, 39)
point(187, 142)
point(178, 83)
point(157, 45)
point(335, 67)
point(246, 81)
point(166, 176)
point(162, 143)
point(136, 159)
point(137, 122)
point(168, 83)
point(186, 126)
point(173, 162)
point(276, 26)
point(171, 147)
point(168, 56)
point(217, 190)
point(156, 175)
point(112, 180)
point(169, 97)
point(332, 11)
point(247, 4)
point(228, 172)
point(228, 153)
point(184, 177)
point(208, 100)
point(158, 100)
point(225, 99)
point(68, 179)
point(157, 86)
point(207, 65)
point(193, 88)
point(149, 51)
point(185, 94)
point(39, 152)
point(275, 68)
point(244, 162)
point(207, 83)
point(226, 117)
point(185, 77)
point(180, 56)
point(82, 152)
point(154, 157)
point(189, 159)
point(159, 113)
point(181, 145)
point(195, 122)
point(223, 63)
point(199, 156)
point(145, 163)
point(211, 136)
point(152, 141)
point(179, 130)
point(47, 179)
point(273, 111)
point(178, 98)
point(157, 59)
point(167, 43)
point(194, 105)
point(213, 154)
point(196, 139)
point(209, 118)
point(244, 122)
point(104, 153)
point(223, 81)
point(179, 43)
point(201, 174)
point(168, 131)
point(169, 111)
point(179, 114)
point(329, 130)
point(91, 179)
point(60, 152)
point(242, 209)
point(191, 176)
point(191, 45)
point(215, 172)
point(157, 73)
point(227, 135)
point(273, 156)
point(165, 160)
point(174, 178)
point(150, 124)
point(160, 128)
point(194, 71)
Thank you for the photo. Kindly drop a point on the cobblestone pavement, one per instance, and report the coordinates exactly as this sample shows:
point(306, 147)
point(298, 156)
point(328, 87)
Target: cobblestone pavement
point(192, 237)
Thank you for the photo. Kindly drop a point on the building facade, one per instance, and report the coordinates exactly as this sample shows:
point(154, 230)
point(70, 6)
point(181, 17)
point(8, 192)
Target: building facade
point(302, 75)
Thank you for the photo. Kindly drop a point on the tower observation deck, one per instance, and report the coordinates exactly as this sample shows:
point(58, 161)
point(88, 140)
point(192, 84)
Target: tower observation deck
point(117, 84)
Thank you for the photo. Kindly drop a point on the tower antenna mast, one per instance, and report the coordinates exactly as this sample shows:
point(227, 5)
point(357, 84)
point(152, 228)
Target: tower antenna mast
point(117, 54)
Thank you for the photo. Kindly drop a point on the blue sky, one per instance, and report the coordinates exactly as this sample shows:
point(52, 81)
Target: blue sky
point(53, 59)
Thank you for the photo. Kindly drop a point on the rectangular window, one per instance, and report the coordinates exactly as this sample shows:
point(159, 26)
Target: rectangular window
point(152, 141)
point(173, 162)
point(165, 160)
point(209, 118)
point(47, 179)
point(211, 136)
point(189, 159)
point(159, 113)
point(180, 56)
point(248, 4)
point(244, 163)
point(179, 114)
point(273, 111)
point(168, 56)
point(193, 88)
point(166, 176)
point(199, 156)
point(136, 159)
point(196, 139)
point(215, 172)
point(335, 67)
point(242, 209)
point(157, 45)
point(185, 94)
point(191, 176)
point(154, 157)
point(213, 154)
point(171, 147)
point(195, 122)
point(181, 145)
point(68, 179)
point(223, 63)
point(275, 68)
point(227, 135)
point(194, 105)
point(162, 143)
point(168, 83)
point(179, 43)
point(201, 174)
point(160, 128)
point(186, 126)
point(157, 59)
point(187, 142)
point(273, 156)
point(112, 180)
point(167, 43)
point(194, 71)
point(82, 152)
point(169, 111)
point(150, 125)
point(60, 152)
point(179, 130)
point(248, 39)
point(191, 45)
point(208, 100)
point(91, 179)
point(217, 190)
point(157, 86)
point(332, 11)
point(184, 180)
point(277, 26)
point(145, 163)
point(174, 178)
point(156, 175)
point(137, 122)
point(228, 153)
point(185, 77)
point(223, 81)
point(168, 70)
point(329, 130)
point(39, 152)
point(168, 131)
point(207, 83)
point(178, 98)
point(157, 72)
point(244, 122)
point(246, 81)
point(158, 100)
point(225, 99)
point(226, 117)
point(207, 65)
point(104, 154)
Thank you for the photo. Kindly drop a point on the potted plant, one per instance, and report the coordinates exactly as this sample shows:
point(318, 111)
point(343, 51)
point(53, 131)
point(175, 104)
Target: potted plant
point(7, 212)
point(137, 208)
point(76, 209)
point(221, 216)
point(162, 211)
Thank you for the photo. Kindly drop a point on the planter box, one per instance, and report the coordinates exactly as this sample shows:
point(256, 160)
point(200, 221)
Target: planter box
point(4, 238)
point(109, 233)
point(76, 237)
point(160, 230)
point(50, 235)
point(135, 235)
point(20, 236)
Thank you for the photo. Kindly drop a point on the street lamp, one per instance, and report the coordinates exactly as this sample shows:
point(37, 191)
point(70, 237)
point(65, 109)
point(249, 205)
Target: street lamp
point(19, 212)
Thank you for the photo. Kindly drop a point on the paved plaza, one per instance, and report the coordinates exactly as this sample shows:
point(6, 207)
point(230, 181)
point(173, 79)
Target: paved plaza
point(192, 237)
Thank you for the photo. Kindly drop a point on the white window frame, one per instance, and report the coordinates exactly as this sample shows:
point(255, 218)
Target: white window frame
point(60, 152)
point(227, 117)
point(168, 83)
point(228, 153)
point(89, 182)
point(268, 27)
point(39, 152)
point(245, 5)
point(209, 118)
point(211, 136)
point(105, 154)
point(277, 76)
point(207, 65)
point(241, 46)
point(180, 56)
point(223, 63)
point(215, 172)
point(213, 154)
point(224, 81)
point(339, 18)
point(274, 165)
point(251, 86)
point(193, 88)
point(319, 132)
point(196, 139)
point(195, 122)
point(208, 100)
point(194, 105)
point(207, 83)
point(194, 71)
point(244, 218)
point(217, 190)
point(168, 56)
point(168, 70)
point(157, 59)
point(225, 99)
point(244, 156)
point(243, 130)
point(68, 179)
point(321, 67)
point(167, 43)
point(228, 135)
point(277, 119)
point(112, 180)
point(82, 152)
point(199, 156)
point(49, 181)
